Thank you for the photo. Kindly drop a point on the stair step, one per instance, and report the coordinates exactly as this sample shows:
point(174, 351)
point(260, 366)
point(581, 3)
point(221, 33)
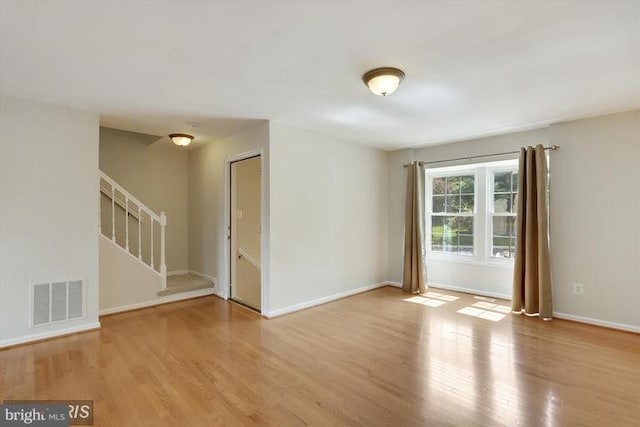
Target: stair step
point(185, 283)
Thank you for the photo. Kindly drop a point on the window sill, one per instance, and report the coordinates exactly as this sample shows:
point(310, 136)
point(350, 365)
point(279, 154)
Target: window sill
point(506, 264)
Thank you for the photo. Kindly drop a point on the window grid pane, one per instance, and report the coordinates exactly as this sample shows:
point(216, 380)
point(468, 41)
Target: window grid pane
point(452, 207)
point(503, 239)
point(438, 185)
point(452, 234)
point(505, 192)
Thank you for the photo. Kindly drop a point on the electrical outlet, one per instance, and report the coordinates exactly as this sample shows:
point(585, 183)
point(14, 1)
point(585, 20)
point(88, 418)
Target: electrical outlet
point(578, 288)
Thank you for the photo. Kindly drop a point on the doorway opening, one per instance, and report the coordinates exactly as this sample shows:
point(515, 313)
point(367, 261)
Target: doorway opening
point(245, 232)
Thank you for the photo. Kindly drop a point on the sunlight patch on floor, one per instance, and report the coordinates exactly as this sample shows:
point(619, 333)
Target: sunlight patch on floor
point(486, 310)
point(432, 299)
point(425, 301)
point(443, 297)
point(493, 307)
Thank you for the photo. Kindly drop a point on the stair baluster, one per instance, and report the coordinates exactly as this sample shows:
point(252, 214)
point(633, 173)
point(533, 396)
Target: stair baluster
point(126, 221)
point(139, 234)
point(113, 213)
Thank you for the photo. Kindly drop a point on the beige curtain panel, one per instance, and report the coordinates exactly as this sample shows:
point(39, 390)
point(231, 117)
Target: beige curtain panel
point(532, 272)
point(415, 269)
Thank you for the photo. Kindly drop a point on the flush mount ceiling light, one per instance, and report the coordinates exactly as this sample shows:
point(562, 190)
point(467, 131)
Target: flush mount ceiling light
point(181, 139)
point(383, 81)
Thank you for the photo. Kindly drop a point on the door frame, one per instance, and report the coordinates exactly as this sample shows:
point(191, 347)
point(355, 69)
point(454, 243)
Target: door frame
point(264, 248)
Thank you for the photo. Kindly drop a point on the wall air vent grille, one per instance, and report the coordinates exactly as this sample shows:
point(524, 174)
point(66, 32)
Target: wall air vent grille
point(57, 302)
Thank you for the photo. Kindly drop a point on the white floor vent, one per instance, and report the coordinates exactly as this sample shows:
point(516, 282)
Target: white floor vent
point(57, 301)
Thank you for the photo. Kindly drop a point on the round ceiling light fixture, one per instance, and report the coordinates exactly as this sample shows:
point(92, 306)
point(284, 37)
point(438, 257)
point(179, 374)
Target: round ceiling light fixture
point(383, 81)
point(181, 139)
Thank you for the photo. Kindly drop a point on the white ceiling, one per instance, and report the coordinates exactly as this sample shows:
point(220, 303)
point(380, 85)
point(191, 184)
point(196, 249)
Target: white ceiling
point(473, 67)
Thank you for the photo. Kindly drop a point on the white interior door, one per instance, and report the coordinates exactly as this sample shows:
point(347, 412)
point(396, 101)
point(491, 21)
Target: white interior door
point(245, 230)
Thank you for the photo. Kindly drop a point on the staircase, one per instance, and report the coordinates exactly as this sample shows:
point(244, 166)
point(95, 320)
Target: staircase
point(130, 217)
point(132, 266)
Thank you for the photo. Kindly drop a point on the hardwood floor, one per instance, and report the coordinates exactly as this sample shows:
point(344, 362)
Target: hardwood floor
point(379, 358)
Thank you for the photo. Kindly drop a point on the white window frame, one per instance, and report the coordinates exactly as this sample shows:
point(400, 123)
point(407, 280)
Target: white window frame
point(442, 173)
point(482, 212)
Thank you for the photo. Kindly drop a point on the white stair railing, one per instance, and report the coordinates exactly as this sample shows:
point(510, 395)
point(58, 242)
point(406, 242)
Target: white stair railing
point(121, 199)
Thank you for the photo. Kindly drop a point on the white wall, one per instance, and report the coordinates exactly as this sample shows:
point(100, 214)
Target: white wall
point(595, 206)
point(48, 210)
point(207, 236)
point(595, 217)
point(157, 175)
point(328, 216)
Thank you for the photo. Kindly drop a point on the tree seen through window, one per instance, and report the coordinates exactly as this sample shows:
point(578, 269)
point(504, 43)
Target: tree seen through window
point(452, 209)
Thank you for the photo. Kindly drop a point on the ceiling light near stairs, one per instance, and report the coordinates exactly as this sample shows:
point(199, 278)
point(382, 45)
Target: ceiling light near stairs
point(181, 139)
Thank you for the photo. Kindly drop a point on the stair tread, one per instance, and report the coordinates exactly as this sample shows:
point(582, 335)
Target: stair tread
point(185, 283)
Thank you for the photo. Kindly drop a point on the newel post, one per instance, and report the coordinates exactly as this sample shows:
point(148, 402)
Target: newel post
point(163, 264)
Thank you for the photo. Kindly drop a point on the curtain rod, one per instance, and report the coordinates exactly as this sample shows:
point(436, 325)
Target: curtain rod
point(553, 147)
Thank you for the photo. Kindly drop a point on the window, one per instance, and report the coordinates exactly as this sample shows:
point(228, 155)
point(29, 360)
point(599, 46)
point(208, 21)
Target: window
point(452, 201)
point(471, 212)
point(503, 214)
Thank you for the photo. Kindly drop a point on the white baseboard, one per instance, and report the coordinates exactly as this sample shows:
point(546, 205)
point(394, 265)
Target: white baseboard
point(297, 307)
point(46, 335)
point(470, 291)
point(395, 284)
point(161, 300)
point(177, 272)
point(604, 323)
point(219, 294)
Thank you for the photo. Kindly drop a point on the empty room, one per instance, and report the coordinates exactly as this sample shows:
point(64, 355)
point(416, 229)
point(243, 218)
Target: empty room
point(324, 213)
